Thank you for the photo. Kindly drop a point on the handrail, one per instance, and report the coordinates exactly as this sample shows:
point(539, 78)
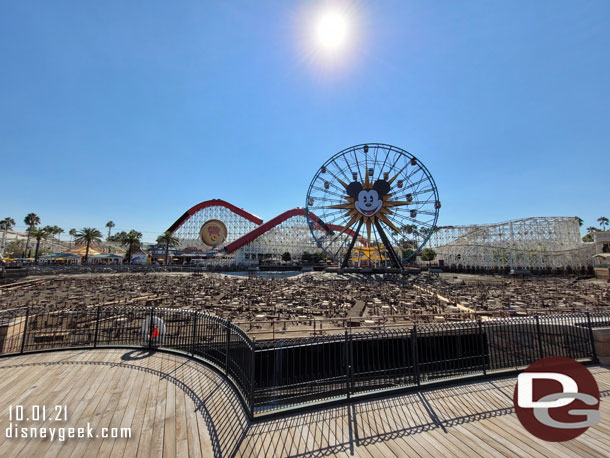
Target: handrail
point(291, 373)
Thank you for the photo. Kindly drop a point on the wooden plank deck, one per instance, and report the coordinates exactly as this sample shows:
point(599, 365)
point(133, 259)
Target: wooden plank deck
point(113, 389)
point(475, 419)
point(176, 407)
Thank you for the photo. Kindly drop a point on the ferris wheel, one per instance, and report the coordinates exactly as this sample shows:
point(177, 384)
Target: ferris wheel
point(372, 204)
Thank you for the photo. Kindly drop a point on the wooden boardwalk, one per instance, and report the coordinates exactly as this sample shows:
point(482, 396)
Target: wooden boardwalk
point(157, 396)
point(178, 407)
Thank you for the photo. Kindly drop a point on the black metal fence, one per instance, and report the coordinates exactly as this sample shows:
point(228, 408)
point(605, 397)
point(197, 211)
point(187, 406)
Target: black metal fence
point(275, 375)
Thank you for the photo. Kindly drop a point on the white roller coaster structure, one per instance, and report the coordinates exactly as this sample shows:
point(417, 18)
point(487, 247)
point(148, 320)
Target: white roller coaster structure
point(249, 240)
point(537, 243)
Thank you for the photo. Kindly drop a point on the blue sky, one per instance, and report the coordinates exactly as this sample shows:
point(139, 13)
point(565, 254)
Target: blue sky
point(134, 111)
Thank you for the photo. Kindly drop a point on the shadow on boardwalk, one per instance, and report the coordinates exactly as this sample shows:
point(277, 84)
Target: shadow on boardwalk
point(429, 423)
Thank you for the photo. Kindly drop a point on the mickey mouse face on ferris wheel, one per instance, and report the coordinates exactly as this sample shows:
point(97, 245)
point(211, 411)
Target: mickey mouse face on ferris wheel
point(368, 201)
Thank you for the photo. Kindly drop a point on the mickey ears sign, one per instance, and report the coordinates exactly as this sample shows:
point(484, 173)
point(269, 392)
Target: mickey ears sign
point(213, 233)
point(368, 201)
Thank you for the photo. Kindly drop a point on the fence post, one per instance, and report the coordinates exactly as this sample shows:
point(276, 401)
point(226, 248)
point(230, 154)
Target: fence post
point(414, 355)
point(195, 316)
point(593, 351)
point(539, 332)
point(228, 325)
point(252, 376)
point(97, 326)
point(348, 387)
point(352, 368)
point(483, 346)
point(150, 327)
point(25, 329)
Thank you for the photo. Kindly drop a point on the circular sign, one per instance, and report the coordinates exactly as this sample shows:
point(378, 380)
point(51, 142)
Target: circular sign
point(556, 399)
point(213, 233)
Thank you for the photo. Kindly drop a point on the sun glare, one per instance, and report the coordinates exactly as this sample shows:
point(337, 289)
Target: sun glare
point(330, 35)
point(332, 31)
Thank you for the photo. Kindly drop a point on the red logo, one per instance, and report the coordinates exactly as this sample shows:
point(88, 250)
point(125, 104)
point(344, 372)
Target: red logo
point(556, 399)
point(213, 230)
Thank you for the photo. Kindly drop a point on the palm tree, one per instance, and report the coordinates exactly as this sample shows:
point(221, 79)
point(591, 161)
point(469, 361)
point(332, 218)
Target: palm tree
point(109, 225)
point(88, 235)
point(132, 240)
point(39, 234)
point(50, 230)
point(580, 221)
point(589, 236)
point(72, 233)
point(603, 222)
point(410, 229)
point(426, 231)
point(6, 224)
point(167, 239)
point(54, 231)
point(31, 220)
point(58, 231)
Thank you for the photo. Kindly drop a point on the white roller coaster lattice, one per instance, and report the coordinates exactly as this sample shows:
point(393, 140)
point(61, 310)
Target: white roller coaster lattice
point(292, 235)
point(529, 243)
point(187, 227)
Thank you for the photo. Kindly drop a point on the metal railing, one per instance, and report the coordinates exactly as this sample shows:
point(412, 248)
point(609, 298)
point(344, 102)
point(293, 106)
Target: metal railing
point(276, 375)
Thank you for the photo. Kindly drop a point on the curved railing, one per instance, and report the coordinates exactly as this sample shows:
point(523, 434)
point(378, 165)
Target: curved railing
point(280, 374)
point(213, 339)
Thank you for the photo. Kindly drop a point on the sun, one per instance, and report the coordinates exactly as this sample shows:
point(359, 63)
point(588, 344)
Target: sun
point(332, 30)
point(330, 34)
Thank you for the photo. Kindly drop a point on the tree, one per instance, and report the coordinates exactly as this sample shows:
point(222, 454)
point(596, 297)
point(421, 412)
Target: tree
point(50, 230)
point(603, 222)
point(72, 233)
point(589, 236)
point(407, 253)
point(580, 221)
point(58, 231)
point(410, 229)
point(286, 256)
point(54, 231)
point(40, 234)
point(109, 225)
point(6, 224)
point(14, 248)
point(131, 240)
point(31, 220)
point(306, 256)
point(424, 231)
point(167, 239)
point(88, 235)
point(428, 254)
point(409, 234)
point(117, 237)
point(408, 239)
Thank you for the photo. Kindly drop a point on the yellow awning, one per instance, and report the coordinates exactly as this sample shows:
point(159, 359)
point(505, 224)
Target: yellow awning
point(81, 250)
